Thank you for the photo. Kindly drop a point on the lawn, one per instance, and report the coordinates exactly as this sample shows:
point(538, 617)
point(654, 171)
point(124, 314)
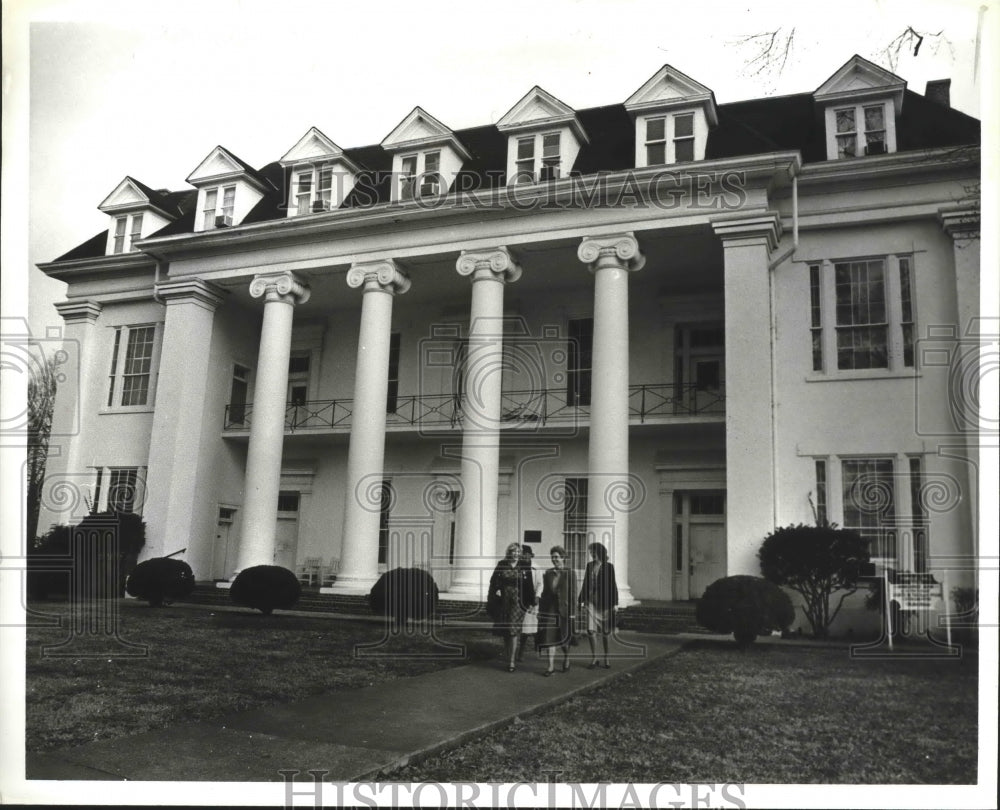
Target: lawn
point(203, 662)
point(710, 713)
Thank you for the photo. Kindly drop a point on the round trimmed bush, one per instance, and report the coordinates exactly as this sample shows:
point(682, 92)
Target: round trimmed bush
point(744, 606)
point(403, 594)
point(159, 580)
point(265, 587)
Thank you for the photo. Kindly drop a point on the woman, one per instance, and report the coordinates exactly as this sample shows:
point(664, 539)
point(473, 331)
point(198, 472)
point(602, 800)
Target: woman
point(511, 591)
point(599, 596)
point(529, 627)
point(555, 609)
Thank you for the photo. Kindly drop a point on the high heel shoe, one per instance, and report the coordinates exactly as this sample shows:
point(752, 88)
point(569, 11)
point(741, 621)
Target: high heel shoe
point(548, 673)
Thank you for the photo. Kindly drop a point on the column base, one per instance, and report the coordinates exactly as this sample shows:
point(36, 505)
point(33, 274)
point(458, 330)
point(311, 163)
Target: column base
point(350, 586)
point(625, 598)
point(225, 584)
point(463, 595)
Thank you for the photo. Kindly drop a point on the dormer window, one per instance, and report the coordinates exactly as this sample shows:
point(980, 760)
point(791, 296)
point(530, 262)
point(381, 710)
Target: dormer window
point(861, 104)
point(215, 215)
point(670, 139)
point(544, 163)
point(420, 175)
point(128, 231)
point(313, 189)
point(870, 141)
point(683, 137)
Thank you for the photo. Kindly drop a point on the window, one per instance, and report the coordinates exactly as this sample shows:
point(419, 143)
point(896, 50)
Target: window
point(131, 366)
point(524, 165)
point(123, 483)
point(288, 501)
point(656, 141)
point(869, 139)
point(128, 231)
point(918, 515)
point(420, 175)
point(550, 157)
point(821, 511)
point(385, 507)
point(303, 192)
point(870, 503)
point(298, 378)
point(238, 396)
point(871, 323)
point(683, 138)
point(669, 139)
point(580, 358)
point(575, 522)
point(392, 395)
point(214, 215)
point(544, 163)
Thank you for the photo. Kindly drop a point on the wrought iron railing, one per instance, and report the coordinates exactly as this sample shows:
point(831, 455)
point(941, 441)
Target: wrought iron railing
point(647, 402)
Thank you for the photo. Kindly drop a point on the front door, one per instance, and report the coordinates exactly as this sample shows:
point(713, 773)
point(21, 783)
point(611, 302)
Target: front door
point(224, 550)
point(708, 556)
point(700, 538)
point(286, 537)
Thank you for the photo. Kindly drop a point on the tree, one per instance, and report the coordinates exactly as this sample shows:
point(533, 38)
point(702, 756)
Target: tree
point(41, 397)
point(816, 562)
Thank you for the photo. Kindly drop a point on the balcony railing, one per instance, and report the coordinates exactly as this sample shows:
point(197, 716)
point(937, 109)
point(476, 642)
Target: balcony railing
point(655, 402)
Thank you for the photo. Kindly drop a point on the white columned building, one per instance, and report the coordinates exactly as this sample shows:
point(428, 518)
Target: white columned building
point(380, 281)
point(612, 491)
point(177, 442)
point(476, 531)
point(751, 490)
point(281, 292)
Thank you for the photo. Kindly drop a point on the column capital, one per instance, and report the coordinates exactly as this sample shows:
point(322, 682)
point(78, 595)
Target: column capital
point(497, 263)
point(619, 249)
point(960, 221)
point(75, 311)
point(284, 287)
point(382, 275)
point(743, 230)
point(190, 291)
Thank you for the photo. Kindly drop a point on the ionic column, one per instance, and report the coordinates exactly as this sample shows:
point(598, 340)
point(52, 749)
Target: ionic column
point(281, 292)
point(476, 530)
point(380, 281)
point(748, 241)
point(611, 489)
point(176, 510)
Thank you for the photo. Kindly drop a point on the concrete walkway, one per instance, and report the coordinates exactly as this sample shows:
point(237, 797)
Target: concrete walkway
point(352, 734)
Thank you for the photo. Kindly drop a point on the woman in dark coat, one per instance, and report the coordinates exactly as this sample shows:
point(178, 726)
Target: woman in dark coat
point(512, 591)
point(556, 609)
point(599, 596)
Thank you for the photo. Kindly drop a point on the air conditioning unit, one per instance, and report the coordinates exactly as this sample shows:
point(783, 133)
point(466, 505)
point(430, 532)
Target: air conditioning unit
point(429, 188)
point(223, 220)
point(320, 205)
point(875, 148)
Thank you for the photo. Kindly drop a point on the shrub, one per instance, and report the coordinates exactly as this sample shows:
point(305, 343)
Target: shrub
point(744, 606)
point(80, 547)
point(160, 579)
point(816, 562)
point(403, 594)
point(265, 587)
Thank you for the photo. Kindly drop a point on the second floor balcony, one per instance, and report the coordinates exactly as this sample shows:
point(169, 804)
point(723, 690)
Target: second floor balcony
point(550, 409)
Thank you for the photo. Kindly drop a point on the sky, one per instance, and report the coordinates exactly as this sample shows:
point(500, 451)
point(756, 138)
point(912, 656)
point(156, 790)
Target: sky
point(94, 90)
point(148, 89)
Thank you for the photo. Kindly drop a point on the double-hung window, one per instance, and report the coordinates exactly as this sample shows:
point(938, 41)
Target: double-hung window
point(669, 139)
point(313, 189)
point(123, 489)
point(420, 175)
point(575, 521)
point(860, 130)
point(862, 314)
point(538, 156)
point(132, 359)
point(218, 210)
point(128, 231)
point(579, 361)
point(870, 503)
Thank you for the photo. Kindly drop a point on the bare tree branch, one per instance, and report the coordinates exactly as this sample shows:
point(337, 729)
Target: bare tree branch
point(912, 40)
point(771, 51)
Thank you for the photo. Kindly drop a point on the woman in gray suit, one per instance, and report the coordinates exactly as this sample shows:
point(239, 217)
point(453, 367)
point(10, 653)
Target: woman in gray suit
point(556, 609)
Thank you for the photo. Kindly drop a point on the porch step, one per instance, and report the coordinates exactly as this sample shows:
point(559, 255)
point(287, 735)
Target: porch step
point(663, 617)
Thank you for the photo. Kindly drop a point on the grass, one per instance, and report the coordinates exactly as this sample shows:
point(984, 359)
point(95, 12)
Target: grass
point(785, 715)
point(775, 714)
point(203, 662)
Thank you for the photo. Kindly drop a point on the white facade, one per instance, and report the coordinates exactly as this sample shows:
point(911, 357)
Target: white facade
point(674, 342)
